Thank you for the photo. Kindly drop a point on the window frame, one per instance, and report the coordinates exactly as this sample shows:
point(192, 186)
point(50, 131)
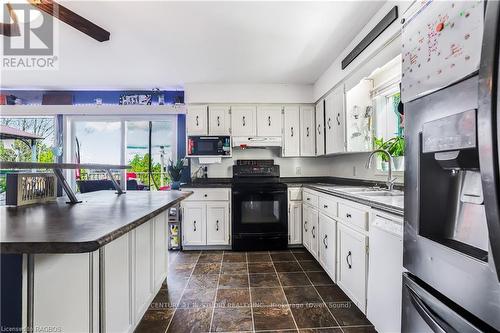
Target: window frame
point(69, 136)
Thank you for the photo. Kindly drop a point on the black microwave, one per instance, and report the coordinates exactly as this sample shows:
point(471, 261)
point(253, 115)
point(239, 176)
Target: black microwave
point(209, 146)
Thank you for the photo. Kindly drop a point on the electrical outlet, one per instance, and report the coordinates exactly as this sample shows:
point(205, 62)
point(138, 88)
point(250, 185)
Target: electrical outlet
point(298, 171)
point(354, 170)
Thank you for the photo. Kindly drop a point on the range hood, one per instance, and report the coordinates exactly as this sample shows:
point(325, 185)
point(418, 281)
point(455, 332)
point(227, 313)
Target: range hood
point(257, 141)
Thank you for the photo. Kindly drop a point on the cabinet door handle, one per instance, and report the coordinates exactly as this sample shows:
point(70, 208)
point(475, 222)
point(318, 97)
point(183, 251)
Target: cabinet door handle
point(305, 226)
point(217, 225)
point(194, 225)
point(205, 195)
point(338, 117)
point(291, 130)
point(307, 131)
point(244, 121)
point(218, 121)
point(329, 123)
point(197, 121)
point(319, 129)
point(349, 255)
point(324, 241)
point(325, 206)
point(348, 215)
point(308, 199)
point(312, 231)
point(269, 120)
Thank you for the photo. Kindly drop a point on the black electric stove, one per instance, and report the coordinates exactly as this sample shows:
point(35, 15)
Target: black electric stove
point(259, 202)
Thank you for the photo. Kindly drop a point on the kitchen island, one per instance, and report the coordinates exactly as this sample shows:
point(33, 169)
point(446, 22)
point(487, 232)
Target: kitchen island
point(93, 266)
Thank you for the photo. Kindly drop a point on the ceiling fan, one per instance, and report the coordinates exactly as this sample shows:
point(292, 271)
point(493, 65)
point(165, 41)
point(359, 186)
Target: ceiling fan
point(62, 13)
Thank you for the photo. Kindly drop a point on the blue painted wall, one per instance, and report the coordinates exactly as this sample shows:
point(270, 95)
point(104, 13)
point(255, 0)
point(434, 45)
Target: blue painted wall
point(89, 96)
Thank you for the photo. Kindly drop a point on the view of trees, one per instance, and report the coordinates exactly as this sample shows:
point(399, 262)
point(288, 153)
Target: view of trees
point(20, 150)
point(140, 165)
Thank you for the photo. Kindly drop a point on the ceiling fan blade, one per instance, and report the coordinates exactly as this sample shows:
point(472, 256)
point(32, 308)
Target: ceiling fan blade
point(10, 29)
point(71, 18)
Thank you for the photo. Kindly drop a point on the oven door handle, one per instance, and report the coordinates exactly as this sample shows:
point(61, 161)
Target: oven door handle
point(259, 192)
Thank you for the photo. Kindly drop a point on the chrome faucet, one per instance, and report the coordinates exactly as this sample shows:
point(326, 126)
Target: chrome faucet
point(390, 180)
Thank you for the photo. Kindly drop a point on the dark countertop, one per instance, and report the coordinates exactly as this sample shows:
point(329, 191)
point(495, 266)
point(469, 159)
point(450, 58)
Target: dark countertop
point(391, 204)
point(85, 227)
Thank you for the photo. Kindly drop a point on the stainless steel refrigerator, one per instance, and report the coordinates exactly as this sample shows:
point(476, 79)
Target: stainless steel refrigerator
point(450, 91)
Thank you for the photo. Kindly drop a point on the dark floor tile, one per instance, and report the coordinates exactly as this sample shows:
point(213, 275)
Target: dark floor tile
point(197, 298)
point(348, 314)
point(332, 293)
point(258, 257)
point(260, 267)
point(234, 257)
point(191, 320)
point(302, 295)
point(299, 250)
point(273, 318)
point(232, 320)
point(313, 316)
point(234, 268)
point(232, 298)
point(264, 280)
point(359, 329)
point(287, 266)
point(213, 252)
point(279, 251)
point(233, 281)
point(287, 256)
point(319, 278)
point(166, 298)
point(187, 257)
point(267, 297)
point(172, 282)
point(311, 266)
point(294, 279)
point(203, 281)
point(210, 257)
point(206, 268)
point(181, 270)
point(321, 330)
point(155, 321)
point(301, 256)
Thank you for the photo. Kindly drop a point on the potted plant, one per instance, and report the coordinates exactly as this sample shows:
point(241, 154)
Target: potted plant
point(379, 143)
point(175, 173)
point(394, 146)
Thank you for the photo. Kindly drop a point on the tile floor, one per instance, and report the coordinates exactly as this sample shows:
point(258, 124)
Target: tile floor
point(224, 291)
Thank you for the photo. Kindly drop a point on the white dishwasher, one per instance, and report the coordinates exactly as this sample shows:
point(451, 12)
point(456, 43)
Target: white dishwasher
point(385, 272)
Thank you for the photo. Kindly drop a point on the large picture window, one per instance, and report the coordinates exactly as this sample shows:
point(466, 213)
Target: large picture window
point(145, 144)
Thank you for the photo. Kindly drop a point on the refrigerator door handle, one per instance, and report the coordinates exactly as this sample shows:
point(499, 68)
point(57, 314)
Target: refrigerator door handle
point(426, 313)
point(489, 127)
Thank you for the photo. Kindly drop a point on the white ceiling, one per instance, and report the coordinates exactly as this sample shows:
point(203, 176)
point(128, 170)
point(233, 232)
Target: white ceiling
point(168, 44)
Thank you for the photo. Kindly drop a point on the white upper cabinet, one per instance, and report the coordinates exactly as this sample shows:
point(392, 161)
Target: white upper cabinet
point(307, 131)
point(269, 121)
point(291, 133)
point(197, 120)
point(219, 120)
point(359, 112)
point(243, 120)
point(320, 128)
point(334, 121)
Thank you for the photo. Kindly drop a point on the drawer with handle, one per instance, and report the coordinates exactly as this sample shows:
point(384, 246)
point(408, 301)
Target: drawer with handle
point(353, 216)
point(208, 194)
point(328, 207)
point(310, 199)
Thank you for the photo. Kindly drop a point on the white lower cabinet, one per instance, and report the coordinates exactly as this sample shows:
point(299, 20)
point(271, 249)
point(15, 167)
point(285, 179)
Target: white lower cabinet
point(313, 218)
point(217, 223)
point(193, 223)
point(295, 223)
point(206, 217)
point(328, 244)
point(352, 264)
point(306, 227)
point(66, 287)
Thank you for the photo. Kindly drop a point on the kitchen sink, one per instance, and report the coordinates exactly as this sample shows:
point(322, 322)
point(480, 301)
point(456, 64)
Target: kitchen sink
point(383, 194)
point(356, 189)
